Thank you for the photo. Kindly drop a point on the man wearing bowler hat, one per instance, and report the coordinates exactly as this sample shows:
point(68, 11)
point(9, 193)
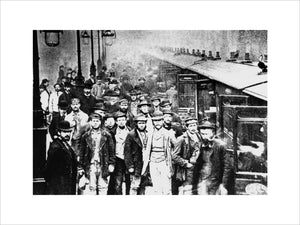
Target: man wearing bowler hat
point(214, 167)
point(62, 112)
point(185, 156)
point(144, 107)
point(135, 145)
point(61, 166)
point(87, 100)
point(97, 157)
point(158, 156)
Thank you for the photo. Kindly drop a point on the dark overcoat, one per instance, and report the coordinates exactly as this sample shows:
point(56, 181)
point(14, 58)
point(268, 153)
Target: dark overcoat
point(133, 154)
point(61, 169)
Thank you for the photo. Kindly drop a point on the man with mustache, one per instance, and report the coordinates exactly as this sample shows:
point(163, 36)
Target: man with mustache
point(61, 166)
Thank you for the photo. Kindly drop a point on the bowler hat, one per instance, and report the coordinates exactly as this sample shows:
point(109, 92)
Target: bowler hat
point(99, 106)
point(64, 126)
point(140, 117)
point(63, 105)
point(144, 102)
point(142, 78)
point(205, 124)
point(133, 92)
point(165, 102)
point(157, 115)
point(87, 85)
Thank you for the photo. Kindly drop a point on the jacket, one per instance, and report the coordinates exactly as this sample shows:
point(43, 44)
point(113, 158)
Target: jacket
point(181, 155)
point(61, 169)
point(107, 153)
point(133, 152)
point(168, 140)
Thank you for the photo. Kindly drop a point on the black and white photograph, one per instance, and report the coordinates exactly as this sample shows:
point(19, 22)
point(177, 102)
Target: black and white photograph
point(142, 112)
point(149, 112)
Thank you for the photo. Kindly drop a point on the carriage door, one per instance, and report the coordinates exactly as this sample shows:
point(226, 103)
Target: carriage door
point(187, 95)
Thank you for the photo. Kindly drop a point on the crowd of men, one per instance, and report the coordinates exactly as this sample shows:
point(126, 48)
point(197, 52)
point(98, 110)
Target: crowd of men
point(112, 138)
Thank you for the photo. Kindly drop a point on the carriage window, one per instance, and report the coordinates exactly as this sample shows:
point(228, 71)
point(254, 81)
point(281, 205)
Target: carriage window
point(186, 95)
point(252, 155)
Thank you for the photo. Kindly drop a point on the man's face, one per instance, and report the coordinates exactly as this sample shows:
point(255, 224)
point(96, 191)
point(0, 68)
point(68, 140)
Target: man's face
point(98, 81)
point(124, 106)
point(158, 123)
point(87, 92)
point(167, 107)
point(156, 102)
point(121, 122)
point(92, 76)
point(57, 88)
point(73, 75)
point(192, 128)
point(66, 135)
point(110, 122)
point(145, 109)
point(207, 135)
point(133, 97)
point(75, 107)
point(63, 80)
point(95, 123)
point(46, 84)
point(141, 125)
point(167, 119)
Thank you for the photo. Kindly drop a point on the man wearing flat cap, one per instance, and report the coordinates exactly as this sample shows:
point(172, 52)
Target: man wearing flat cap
point(185, 156)
point(214, 167)
point(120, 134)
point(144, 107)
point(79, 120)
point(97, 157)
point(158, 156)
point(135, 144)
point(61, 167)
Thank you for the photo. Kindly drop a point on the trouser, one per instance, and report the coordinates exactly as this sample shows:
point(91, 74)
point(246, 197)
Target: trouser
point(135, 184)
point(97, 184)
point(187, 187)
point(161, 177)
point(118, 178)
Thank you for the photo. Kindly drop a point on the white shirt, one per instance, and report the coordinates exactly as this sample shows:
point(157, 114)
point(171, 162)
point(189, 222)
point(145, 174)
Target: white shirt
point(53, 101)
point(120, 141)
point(44, 100)
point(79, 121)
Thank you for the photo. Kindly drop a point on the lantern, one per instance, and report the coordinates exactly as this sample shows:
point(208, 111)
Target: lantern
point(52, 37)
point(86, 37)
